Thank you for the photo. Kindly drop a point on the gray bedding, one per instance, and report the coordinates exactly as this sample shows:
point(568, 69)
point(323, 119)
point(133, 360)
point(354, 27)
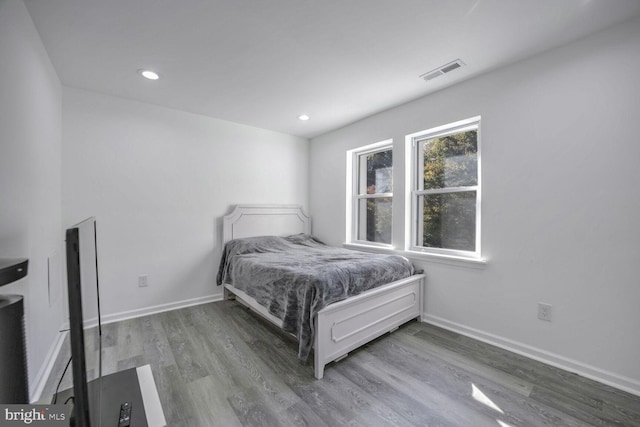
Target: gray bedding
point(294, 277)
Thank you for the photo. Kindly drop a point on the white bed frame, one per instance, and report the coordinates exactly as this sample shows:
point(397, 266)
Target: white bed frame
point(342, 326)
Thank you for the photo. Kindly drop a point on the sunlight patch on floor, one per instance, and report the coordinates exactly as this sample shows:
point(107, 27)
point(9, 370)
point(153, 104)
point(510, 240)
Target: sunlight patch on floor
point(478, 395)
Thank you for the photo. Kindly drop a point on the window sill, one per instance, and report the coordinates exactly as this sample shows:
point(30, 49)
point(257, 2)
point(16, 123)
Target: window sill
point(371, 248)
point(477, 263)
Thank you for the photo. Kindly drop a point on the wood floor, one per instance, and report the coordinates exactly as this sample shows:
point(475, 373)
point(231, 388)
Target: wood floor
point(219, 365)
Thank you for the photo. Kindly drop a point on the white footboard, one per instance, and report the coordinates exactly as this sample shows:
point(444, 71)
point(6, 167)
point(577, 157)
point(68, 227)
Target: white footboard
point(349, 324)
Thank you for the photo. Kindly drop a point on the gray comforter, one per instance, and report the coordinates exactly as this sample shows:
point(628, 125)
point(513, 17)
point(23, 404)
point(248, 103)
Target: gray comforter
point(294, 277)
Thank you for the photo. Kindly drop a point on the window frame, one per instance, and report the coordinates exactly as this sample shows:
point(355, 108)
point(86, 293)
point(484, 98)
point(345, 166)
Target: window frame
point(354, 196)
point(414, 181)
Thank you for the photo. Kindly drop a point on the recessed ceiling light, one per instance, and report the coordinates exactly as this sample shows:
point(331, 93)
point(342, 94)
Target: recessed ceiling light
point(148, 74)
point(304, 117)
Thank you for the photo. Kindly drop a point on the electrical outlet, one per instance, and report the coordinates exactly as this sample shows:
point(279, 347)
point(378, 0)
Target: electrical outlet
point(544, 311)
point(143, 280)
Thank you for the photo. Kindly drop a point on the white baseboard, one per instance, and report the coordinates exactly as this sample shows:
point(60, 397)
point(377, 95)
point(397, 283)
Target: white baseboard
point(46, 368)
point(131, 314)
point(609, 378)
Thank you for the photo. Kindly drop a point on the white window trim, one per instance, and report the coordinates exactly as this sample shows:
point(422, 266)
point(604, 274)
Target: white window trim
point(353, 196)
point(422, 256)
point(412, 193)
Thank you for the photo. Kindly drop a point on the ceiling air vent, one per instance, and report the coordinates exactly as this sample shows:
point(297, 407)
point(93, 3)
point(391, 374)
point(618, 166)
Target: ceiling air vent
point(442, 70)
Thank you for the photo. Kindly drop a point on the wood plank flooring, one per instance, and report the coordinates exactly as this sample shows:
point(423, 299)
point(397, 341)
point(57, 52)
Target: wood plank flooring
point(220, 365)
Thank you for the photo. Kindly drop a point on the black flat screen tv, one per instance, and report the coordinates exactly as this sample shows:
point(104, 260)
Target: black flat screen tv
point(84, 322)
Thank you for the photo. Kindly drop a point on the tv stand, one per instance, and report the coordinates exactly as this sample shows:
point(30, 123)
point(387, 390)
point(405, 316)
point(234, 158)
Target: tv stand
point(133, 385)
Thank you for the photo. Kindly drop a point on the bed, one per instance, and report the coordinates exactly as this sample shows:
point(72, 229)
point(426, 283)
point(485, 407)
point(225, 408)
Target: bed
point(311, 301)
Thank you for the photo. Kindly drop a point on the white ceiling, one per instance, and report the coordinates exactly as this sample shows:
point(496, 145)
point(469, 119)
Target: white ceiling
point(264, 62)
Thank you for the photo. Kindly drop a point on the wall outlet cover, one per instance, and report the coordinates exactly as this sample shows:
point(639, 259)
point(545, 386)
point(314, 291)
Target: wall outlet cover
point(143, 280)
point(544, 311)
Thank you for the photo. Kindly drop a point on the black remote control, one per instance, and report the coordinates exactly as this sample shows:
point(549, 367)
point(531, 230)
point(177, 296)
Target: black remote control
point(125, 415)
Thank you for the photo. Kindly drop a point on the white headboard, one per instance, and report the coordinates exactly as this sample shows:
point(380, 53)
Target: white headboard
point(265, 220)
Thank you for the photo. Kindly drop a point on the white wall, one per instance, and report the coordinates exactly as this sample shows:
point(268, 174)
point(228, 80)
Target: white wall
point(560, 201)
point(159, 180)
point(30, 177)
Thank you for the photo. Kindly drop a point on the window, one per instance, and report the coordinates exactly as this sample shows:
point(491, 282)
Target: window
point(445, 189)
point(369, 215)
